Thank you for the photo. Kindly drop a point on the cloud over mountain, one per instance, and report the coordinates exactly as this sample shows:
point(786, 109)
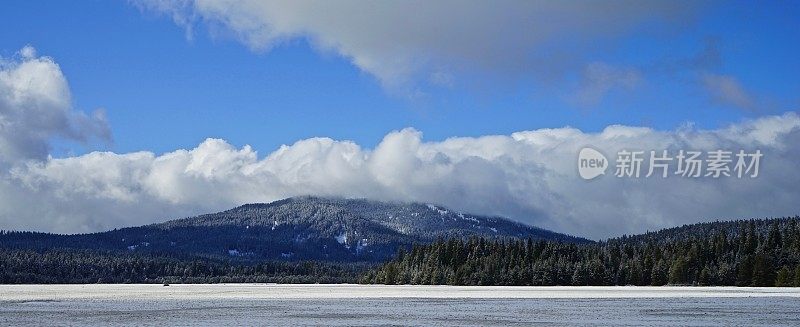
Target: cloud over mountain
point(530, 176)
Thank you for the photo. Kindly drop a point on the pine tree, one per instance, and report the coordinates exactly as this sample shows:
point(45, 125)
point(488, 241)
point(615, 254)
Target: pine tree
point(705, 278)
point(677, 272)
point(744, 269)
point(763, 272)
point(797, 276)
point(784, 277)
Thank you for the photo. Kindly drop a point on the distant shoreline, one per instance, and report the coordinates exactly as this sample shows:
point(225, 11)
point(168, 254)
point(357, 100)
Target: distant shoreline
point(56, 292)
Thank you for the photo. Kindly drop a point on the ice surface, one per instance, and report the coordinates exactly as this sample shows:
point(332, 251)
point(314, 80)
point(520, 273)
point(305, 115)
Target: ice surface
point(344, 305)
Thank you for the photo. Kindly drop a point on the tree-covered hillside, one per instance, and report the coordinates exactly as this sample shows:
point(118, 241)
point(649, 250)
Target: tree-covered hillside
point(294, 229)
point(745, 253)
point(241, 245)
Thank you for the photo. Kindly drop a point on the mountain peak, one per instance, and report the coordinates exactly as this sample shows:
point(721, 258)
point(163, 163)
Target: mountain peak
point(308, 228)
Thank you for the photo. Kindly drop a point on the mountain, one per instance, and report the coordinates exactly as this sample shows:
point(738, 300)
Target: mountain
point(301, 228)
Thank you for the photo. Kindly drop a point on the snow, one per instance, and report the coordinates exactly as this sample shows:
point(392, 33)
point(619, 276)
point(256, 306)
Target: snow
point(301, 238)
point(461, 215)
point(237, 253)
point(493, 229)
point(342, 238)
point(361, 245)
point(134, 246)
point(340, 291)
point(441, 212)
point(308, 305)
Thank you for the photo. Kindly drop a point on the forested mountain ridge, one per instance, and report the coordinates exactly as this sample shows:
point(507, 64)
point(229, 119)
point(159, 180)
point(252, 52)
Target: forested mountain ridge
point(761, 252)
point(708, 229)
point(301, 228)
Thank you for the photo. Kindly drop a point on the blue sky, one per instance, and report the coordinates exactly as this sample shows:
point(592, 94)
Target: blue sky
point(162, 91)
point(121, 113)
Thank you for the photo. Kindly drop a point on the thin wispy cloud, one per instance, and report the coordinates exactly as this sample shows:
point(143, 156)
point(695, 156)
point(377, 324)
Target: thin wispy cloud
point(727, 90)
point(600, 78)
point(405, 44)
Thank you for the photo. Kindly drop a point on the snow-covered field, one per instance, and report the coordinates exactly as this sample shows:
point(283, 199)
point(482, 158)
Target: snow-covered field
point(345, 305)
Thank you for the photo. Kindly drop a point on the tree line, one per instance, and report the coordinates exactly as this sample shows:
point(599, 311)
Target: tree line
point(763, 252)
point(74, 266)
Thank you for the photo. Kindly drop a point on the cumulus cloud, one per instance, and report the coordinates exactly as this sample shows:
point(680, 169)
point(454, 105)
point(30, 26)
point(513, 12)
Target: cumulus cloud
point(36, 106)
point(404, 42)
point(530, 176)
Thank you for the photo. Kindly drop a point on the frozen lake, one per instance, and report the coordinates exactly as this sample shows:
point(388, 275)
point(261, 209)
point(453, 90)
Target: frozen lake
point(348, 305)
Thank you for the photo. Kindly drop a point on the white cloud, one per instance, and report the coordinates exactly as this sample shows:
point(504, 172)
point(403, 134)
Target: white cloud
point(28, 52)
point(36, 106)
point(407, 42)
point(530, 176)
